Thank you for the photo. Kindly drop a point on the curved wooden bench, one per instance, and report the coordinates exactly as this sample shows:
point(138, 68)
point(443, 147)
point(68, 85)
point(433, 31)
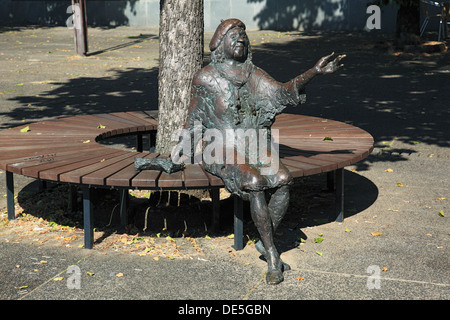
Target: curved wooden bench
point(65, 150)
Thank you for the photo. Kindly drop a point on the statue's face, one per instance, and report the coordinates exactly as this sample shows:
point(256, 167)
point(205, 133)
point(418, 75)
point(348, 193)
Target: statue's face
point(236, 45)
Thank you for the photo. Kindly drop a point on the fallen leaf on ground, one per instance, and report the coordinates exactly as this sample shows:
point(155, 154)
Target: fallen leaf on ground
point(319, 253)
point(119, 275)
point(384, 269)
point(300, 278)
point(26, 129)
point(441, 213)
point(376, 233)
point(399, 184)
point(58, 279)
point(389, 170)
point(347, 230)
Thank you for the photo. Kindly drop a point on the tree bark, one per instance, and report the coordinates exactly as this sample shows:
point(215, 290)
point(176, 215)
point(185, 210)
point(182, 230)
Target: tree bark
point(408, 23)
point(180, 57)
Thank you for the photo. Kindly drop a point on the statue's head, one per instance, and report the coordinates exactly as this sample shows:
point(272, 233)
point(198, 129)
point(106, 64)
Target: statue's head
point(230, 41)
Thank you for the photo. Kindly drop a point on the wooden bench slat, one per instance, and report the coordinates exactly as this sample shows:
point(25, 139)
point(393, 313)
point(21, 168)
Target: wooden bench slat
point(152, 113)
point(288, 120)
point(75, 176)
point(60, 141)
point(320, 139)
point(128, 116)
point(115, 127)
point(139, 123)
point(339, 161)
point(129, 177)
point(147, 119)
point(123, 177)
point(321, 132)
point(324, 165)
point(53, 173)
point(313, 126)
point(174, 180)
point(90, 120)
point(62, 127)
point(285, 117)
point(146, 178)
point(307, 168)
point(16, 165)
point(19, 156)
point(26, 150)
point(296, 172)
point(41, 138)
point(99, 176)
point(194, 176)
point(326, 145)
point(214, 181)
point(129, 125)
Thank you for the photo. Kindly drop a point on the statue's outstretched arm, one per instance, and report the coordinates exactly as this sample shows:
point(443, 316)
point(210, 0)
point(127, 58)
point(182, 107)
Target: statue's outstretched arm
point(323, 66)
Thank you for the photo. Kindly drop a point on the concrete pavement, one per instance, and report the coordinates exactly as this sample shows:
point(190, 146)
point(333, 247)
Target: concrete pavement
point(393, 243)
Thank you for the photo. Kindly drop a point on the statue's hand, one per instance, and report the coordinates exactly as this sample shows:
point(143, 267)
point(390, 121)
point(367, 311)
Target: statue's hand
point(325, 66)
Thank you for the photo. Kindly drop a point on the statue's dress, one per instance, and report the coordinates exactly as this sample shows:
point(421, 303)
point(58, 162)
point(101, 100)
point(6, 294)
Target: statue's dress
point(241, 96)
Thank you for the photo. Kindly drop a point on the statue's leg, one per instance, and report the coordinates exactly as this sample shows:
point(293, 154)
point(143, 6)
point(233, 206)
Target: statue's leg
point(263, 222)
point(278, 205)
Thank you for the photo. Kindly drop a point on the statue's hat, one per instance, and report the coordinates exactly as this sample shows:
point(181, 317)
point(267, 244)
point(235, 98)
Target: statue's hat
point(222, 30)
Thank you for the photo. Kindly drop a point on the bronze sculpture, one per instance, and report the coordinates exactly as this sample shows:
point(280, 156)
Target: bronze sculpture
point(232, 93)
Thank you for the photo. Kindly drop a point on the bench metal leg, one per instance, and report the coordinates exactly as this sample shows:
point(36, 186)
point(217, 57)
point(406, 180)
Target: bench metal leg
point(42, 185)
point(123, 209)
point(215, 197)
point(330, 180)
point(10, 195)
point(238, 223)
point(340, 195)
point(139, 146)
point(424, 26)
point(88, 218)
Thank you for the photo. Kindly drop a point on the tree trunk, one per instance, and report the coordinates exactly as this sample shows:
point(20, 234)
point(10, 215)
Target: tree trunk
point(180, 57)
point(408, 23)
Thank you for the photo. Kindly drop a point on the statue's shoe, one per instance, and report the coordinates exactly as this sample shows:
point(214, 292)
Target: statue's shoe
point(274, 276)
point(260, 247)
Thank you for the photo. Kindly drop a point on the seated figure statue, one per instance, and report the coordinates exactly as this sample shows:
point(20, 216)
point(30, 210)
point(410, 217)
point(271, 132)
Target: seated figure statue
point(232, 93)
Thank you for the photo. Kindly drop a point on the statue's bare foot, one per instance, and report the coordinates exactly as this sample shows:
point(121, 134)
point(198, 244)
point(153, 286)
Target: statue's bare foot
point(260, 247)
